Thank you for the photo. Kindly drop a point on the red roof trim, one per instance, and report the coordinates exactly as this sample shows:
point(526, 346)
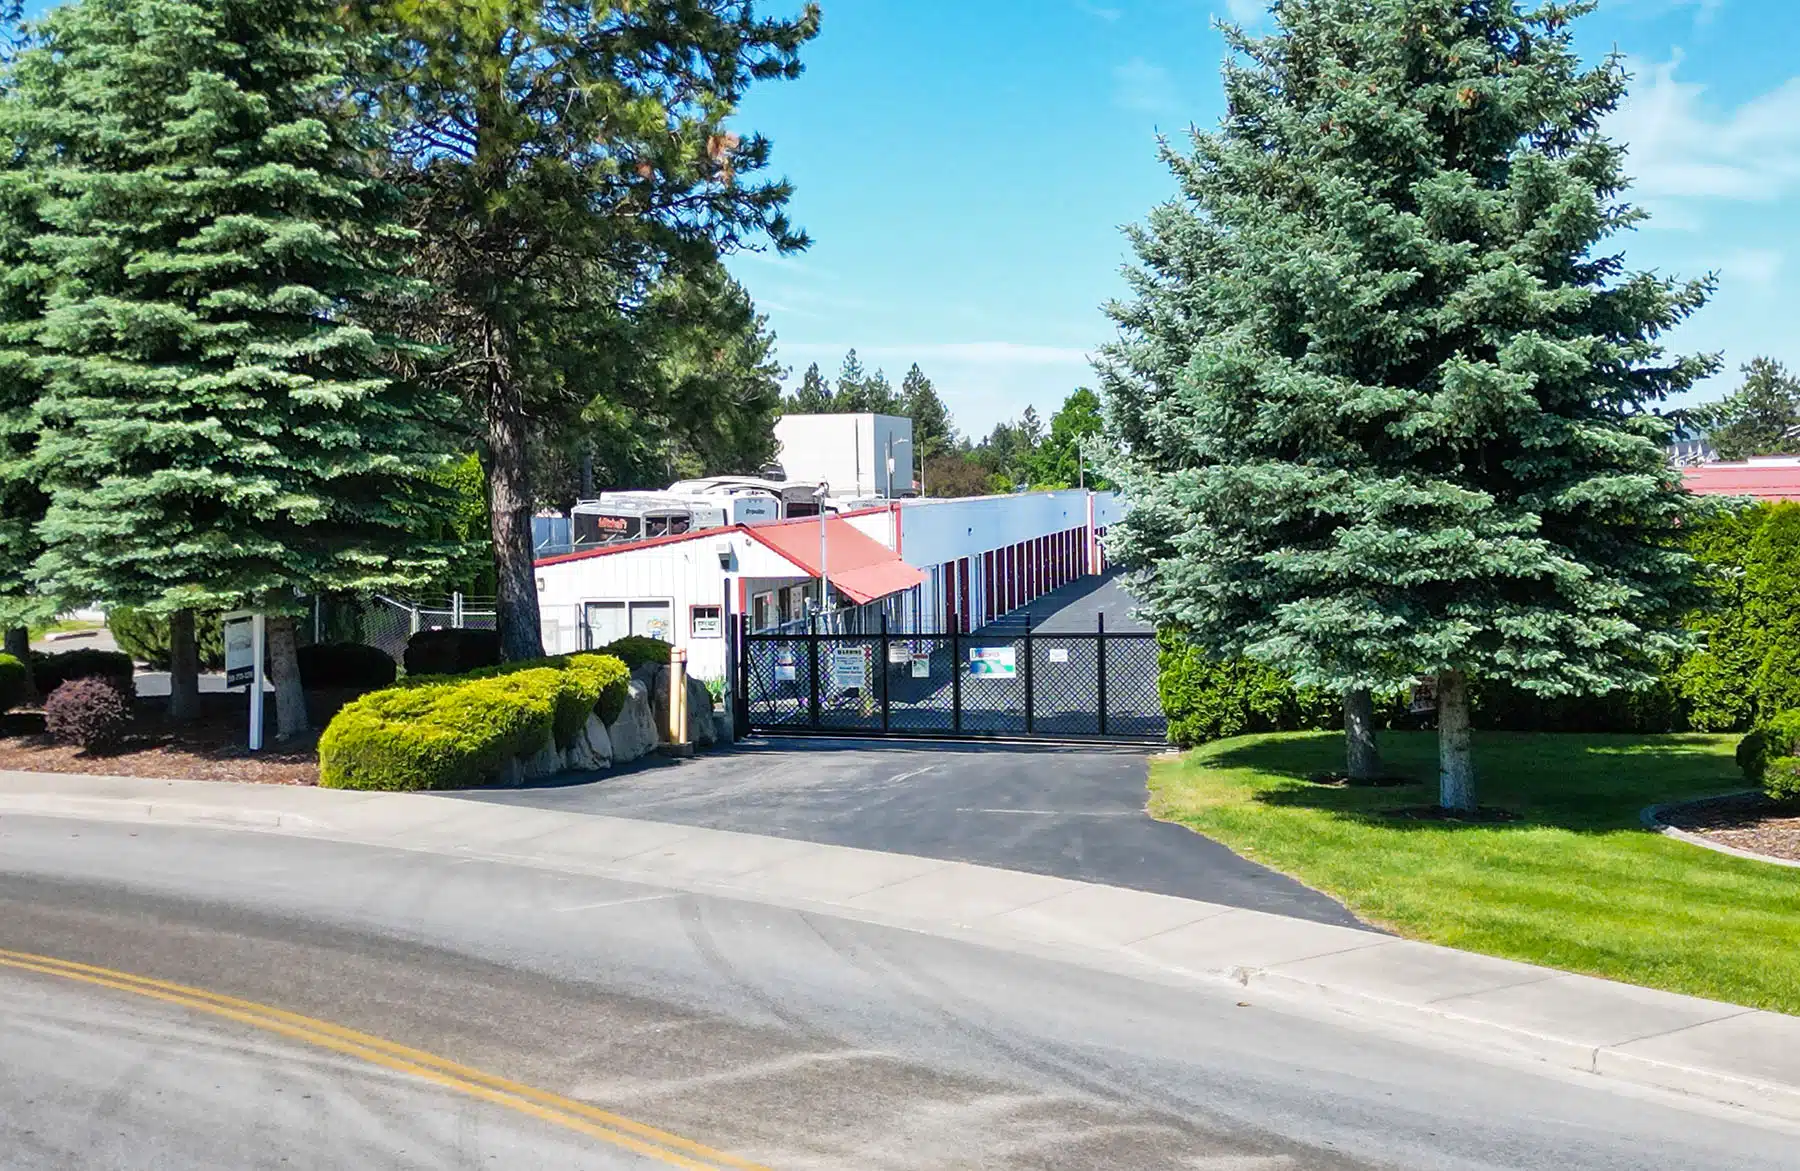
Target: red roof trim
point(632, 546)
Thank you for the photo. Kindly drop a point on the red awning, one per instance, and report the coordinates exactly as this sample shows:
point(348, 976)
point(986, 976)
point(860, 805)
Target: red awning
point(862, 568)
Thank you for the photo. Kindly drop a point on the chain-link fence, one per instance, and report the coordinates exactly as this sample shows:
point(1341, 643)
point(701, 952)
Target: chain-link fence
point(387, 622)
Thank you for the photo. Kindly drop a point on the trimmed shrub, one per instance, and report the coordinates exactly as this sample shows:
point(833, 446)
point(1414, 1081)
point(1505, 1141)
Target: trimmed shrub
point(441, 735)
point(457, 732)
point(345, 665)
point(635, 651)
point(1770, 756)
point(1499, 706)
point(451, 651)
point(13, 679)
point(53, 671)
point(90, 713)
point(145, 637)
point(1209, 699)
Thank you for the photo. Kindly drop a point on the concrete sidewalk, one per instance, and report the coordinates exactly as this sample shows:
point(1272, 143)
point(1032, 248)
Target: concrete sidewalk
point(1720, 1052)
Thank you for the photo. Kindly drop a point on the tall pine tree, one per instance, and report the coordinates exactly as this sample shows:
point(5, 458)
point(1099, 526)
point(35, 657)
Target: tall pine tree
point(933, 432)
point(218, 428)
point(1381, 398)
point(563, 157)
point(814, 395)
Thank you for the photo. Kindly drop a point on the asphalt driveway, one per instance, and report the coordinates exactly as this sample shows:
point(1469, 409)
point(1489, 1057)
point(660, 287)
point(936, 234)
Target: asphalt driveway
point(1070, 811)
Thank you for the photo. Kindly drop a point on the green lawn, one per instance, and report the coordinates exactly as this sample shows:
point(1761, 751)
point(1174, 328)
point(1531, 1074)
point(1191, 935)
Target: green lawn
point(1574, 884)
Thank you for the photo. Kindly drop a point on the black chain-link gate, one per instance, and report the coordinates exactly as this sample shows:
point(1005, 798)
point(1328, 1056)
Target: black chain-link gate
point(1057, 686)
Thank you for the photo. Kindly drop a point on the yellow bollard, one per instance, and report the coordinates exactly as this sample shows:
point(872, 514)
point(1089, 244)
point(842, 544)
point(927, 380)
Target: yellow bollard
point(678, 744)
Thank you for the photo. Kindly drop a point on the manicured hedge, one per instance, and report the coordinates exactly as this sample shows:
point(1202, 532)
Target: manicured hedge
point(451, 651)
point(145, 637)
point(52, 671)
point(1207, 699)
point(459, 732)
point(636, 651)
point(13, 679)
point(440, 735)
point(345, 665)
point(1770, 756)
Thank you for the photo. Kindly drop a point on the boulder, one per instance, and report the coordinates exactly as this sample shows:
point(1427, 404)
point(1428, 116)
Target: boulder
point(699, 714)
point(724, 731)
point(634, 733)
point(545, 762)
point(599, 743)
point(592, 748)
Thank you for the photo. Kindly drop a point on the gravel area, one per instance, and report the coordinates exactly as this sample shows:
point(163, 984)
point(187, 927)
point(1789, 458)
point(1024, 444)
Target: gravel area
point(1746, 822)
point(211, 748)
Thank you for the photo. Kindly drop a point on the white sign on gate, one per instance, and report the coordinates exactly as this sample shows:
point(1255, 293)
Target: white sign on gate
point(849, 670)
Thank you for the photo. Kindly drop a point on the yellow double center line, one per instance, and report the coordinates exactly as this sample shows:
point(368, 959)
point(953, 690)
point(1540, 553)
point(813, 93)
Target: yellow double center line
point(669, 1149)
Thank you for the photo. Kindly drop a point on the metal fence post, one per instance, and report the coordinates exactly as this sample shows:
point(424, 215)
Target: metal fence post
point(1030, 715)
point(955, 675)
point(456, 618)
point(812, 664)
point(1100, 679)
point(740, 706)
point(881, 664)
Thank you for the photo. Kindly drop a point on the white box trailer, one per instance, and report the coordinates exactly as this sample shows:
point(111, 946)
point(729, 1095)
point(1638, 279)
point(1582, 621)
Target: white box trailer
point(860, 455)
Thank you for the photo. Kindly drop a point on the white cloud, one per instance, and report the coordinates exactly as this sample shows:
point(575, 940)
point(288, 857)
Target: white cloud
point(1247, 11)
point(1139, 85)
point(1755, 268)
point(1683, 149)
point(1099, 12)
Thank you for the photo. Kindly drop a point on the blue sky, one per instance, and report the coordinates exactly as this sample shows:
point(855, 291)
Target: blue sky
point(964, 169)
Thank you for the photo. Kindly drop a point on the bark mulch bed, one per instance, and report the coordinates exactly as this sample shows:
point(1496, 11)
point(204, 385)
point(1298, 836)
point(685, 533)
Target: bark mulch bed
point(210, 748)
point(1749, 821)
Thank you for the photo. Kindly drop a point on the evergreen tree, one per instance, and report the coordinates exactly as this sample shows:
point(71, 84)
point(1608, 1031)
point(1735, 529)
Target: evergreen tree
point(1381, 399)
point(561, 158)
point(22, 502)
point(850, 384)
point(1761, 417)
point(218, 430)
point(933, 433)
point(814, 396)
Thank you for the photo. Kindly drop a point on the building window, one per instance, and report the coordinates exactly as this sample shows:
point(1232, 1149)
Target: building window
point(706, 622)
point(762, 611)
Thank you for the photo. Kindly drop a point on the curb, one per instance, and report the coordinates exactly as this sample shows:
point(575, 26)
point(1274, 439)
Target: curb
point(1651, 816)
point(1417, 1017)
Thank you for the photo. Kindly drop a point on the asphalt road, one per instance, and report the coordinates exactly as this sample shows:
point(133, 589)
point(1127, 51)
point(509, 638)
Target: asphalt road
point(1048, 809)
point(795, 1041)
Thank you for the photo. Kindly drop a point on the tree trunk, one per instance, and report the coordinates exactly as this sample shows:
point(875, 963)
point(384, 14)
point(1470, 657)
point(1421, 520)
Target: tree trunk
point(18, 645)
point(184, 668)
point(1364, 756)
point(509, 510)
point(284, 674)
point(1456, 764)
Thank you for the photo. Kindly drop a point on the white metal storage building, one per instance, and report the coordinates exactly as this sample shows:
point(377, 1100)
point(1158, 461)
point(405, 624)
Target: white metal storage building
point(925, 565)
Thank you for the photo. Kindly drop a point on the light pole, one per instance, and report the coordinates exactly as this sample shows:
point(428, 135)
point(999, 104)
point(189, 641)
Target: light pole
point(824, 562)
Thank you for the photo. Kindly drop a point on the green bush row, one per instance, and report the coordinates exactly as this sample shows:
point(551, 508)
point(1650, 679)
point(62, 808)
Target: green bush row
point(637, 651)
point(1746, 672)
point(457, 732)
point(13, 678)
point(145, 637)
point(1770, 756)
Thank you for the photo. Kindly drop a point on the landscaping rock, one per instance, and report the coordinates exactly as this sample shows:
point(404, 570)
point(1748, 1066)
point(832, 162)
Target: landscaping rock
point(724, 733)
point(699, 714)
point(592, 748)
point(634, 733)
point(545, 762)
point(599, 743)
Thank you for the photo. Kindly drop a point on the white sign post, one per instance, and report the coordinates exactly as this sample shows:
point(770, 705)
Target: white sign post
point(244, 639)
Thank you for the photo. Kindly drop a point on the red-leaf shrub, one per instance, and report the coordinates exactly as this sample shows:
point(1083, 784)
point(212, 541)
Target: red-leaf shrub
point(91, 713)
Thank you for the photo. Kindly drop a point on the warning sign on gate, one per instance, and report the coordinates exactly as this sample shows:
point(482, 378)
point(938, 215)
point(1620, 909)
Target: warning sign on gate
point(996, 662)
point(849, 671)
